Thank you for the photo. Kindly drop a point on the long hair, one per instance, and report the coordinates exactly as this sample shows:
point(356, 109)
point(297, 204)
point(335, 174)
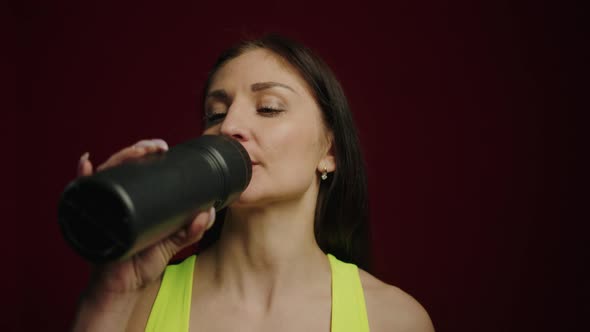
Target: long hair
point(341, 218)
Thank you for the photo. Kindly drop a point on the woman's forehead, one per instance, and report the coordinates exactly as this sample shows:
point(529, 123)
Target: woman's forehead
point(255, 66)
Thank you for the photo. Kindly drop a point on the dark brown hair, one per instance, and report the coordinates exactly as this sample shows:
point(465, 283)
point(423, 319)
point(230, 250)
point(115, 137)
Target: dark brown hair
point(341, 216)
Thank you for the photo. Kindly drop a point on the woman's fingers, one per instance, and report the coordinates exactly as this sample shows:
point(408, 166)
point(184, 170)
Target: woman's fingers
point(191, 233)
point(151, 262)
point(135, 151)
point(84, 165)
point(211, 221)
point(156, 143)
point(121, 156)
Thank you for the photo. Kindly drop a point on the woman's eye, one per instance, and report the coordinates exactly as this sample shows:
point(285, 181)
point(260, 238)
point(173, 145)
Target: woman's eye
point(214, 118)
point(269, 111)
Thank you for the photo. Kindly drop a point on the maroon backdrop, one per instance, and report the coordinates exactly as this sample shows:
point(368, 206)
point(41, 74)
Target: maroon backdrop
point(462, 111)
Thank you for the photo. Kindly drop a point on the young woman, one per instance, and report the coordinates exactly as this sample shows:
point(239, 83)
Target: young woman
point(284, 256)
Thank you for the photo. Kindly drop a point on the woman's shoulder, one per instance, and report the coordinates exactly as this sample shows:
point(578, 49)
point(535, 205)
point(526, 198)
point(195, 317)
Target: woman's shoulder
point(391, 309)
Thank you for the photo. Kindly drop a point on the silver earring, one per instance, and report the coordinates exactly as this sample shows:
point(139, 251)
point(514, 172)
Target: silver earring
point(325, 174)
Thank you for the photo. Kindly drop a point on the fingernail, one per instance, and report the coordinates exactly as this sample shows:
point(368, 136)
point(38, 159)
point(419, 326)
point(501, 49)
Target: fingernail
point(144, 144)
point(84, 157)
point(160, 143)
point(211, 217)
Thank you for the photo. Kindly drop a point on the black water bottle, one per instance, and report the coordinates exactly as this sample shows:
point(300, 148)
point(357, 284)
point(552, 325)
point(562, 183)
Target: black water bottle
point(117, 212)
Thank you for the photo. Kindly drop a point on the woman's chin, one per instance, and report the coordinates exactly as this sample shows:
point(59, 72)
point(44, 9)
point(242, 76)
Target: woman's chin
point(247, 199)
point(252, 199)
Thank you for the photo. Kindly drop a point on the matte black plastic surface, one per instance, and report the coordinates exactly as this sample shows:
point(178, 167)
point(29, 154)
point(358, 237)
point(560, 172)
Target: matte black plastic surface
point(115, 213)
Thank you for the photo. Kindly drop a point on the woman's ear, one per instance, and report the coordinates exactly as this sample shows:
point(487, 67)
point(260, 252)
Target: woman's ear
point(328, 161)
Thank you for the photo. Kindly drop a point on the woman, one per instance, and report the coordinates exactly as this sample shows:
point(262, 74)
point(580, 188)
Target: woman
point(275, 261)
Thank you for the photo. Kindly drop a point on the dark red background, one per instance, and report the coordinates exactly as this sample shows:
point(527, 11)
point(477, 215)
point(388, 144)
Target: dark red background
point(464, 114)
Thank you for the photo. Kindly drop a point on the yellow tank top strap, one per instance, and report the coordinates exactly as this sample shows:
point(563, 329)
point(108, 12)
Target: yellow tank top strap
point(349, 312)
point(172, 307)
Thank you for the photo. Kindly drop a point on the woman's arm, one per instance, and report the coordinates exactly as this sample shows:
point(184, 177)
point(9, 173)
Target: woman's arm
point(104, 311)
point(120, 294)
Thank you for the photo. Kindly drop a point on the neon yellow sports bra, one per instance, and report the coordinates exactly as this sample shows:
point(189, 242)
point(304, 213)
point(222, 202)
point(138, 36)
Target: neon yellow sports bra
point(171, 310)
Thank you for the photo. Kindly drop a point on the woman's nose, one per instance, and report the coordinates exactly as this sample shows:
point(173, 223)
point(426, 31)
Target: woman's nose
point(235, 124)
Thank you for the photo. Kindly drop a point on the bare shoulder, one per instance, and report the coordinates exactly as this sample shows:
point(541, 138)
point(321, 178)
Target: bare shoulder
point(391, 309)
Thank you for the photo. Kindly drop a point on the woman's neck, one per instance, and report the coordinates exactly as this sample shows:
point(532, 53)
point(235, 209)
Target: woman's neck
point(266, 254)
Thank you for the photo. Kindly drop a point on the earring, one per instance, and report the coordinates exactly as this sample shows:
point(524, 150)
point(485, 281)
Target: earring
point(325, 174)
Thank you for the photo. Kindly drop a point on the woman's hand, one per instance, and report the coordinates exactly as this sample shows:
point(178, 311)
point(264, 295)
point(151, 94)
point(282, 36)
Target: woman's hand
point(148, 265)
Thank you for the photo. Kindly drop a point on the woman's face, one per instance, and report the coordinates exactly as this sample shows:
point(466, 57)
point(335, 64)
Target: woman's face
point(261, 101)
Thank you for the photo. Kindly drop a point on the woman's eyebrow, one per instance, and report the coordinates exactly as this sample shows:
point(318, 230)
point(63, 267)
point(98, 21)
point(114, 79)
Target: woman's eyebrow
point(219, 94)
point(267, 85)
